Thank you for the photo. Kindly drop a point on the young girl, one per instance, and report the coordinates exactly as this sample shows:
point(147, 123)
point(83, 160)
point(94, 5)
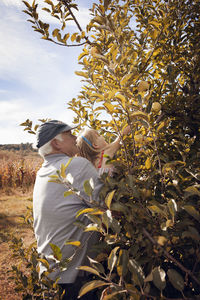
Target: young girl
point(93, 146)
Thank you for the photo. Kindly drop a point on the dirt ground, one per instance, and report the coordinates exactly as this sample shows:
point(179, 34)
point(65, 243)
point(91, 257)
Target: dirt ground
point(12, 208)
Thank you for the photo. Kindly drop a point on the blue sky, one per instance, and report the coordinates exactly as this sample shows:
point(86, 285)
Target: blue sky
point(36, 77)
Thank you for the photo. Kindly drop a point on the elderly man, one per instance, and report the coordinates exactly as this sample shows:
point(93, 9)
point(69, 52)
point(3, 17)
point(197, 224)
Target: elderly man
point(54, 215)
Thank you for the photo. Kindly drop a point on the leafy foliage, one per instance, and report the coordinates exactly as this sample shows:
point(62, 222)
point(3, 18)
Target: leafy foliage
point(141, 67)
point(25, 272)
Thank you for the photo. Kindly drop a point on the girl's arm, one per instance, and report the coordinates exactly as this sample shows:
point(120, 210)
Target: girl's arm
point(112, 148)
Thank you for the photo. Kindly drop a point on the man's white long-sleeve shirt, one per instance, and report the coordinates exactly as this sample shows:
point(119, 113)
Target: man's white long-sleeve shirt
point(54, 215)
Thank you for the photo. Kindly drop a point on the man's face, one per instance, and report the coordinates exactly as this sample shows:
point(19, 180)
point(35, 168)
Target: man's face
point(68, 145)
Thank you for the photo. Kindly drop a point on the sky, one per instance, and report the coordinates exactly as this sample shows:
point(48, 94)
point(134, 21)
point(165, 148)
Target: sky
point(37, 77)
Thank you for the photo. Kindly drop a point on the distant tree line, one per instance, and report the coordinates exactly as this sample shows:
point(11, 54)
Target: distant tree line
point(18, 147)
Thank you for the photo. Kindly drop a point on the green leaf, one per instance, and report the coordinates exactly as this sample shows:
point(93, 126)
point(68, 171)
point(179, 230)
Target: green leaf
point(88, 188)
point(176, 279)
point(191, 233)
point(192, 190)
point(159, 278)
point(68, 193)
point(89, 286)
point(172, 206)
point(122, 264)
point(95, 264)
point(137, 272)
point(192, 211)
point(109, 198)
point(56, 251)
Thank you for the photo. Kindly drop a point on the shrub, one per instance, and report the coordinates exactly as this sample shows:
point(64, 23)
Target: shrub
point(140, 65)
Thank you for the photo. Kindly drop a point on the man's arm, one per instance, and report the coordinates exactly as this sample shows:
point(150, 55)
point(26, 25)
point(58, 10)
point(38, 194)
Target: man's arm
point(82, 170)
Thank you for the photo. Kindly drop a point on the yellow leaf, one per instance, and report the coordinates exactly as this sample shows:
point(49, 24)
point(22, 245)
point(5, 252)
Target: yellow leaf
point(62, 171)
point(83, 54)
point(111, 94)
point(84, 211)
point(162, 124)
point(85, 61)
point(88, 269)
point(156, 75)
point(73, 37)
point(125, 79)
point(140, 114)
point(89, 286)
point(122, 98)
point(80, 73)
point(73, 243)
point(109, 106)
point(192, 190)
point(156, 24)
point(148, 163)
point(143, 86)
point(109, 198)
point(161, 240)
point(92, 227)
point(154, 34)
point(97, 95)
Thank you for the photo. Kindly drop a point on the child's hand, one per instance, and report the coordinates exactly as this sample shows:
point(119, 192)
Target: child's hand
point(126, 130)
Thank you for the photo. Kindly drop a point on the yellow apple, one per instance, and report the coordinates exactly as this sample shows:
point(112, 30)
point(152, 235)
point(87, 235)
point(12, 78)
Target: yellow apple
point(94, 51)
point(139, 138)
point(156, 107)
point(143, 86)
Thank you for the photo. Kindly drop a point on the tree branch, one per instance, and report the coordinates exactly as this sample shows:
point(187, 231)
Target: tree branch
point(166, 254)
point(74, 18)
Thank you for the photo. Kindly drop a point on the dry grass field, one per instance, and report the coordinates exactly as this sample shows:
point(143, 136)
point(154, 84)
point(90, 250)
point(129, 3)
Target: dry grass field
point(17, 175)
point(12, 208)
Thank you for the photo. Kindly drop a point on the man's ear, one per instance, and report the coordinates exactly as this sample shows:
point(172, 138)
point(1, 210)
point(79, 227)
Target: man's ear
point(55, 143)
point(95, 146)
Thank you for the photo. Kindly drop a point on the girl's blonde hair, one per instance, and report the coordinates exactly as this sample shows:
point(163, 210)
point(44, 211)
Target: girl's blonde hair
point(84, 141)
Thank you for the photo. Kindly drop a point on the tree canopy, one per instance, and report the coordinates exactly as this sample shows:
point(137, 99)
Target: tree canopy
point(140, 65)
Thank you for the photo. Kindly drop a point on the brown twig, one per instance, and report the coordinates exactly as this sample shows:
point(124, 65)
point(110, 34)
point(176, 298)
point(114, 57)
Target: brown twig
point(166, 254)
point(75, 20)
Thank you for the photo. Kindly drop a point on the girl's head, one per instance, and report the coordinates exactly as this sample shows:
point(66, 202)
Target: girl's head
point(90, 144)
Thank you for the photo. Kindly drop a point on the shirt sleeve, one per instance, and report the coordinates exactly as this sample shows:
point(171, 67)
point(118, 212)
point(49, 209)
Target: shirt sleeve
point(81, 170)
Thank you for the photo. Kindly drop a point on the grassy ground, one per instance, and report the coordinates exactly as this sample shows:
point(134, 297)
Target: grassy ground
point(12, 208)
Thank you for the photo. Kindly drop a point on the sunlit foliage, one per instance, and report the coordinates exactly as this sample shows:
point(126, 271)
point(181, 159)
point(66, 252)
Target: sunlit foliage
point(140, 65)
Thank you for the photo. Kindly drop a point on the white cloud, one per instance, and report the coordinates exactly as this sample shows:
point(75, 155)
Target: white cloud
point(16, 111)
point(82, 14)
point(17, 3)
point(36, 77)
